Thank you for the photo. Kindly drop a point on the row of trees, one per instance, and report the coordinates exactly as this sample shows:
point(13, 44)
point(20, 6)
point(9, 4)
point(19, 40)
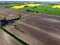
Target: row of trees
point(28, 10)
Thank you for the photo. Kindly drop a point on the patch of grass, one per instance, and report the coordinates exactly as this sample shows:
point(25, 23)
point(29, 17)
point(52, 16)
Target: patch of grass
point(44, 9)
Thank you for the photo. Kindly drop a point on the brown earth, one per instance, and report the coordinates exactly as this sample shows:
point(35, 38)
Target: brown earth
point(43, 27)
point(8, 13)
point(6, 39)
point(37, 29)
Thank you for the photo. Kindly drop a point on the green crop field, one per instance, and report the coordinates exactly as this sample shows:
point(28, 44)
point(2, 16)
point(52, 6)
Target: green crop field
point(44, 9)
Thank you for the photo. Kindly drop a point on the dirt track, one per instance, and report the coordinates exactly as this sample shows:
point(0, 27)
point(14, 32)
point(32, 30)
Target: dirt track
point(6, 39)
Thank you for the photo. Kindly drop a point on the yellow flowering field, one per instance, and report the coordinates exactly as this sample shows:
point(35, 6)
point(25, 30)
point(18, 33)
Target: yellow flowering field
point(22, 6)
point(56, 6)
point(32, 5)
point(18, 7)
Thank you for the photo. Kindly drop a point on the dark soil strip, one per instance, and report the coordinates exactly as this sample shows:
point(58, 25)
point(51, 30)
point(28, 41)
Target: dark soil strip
point(18, 28)
point(24, 43)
